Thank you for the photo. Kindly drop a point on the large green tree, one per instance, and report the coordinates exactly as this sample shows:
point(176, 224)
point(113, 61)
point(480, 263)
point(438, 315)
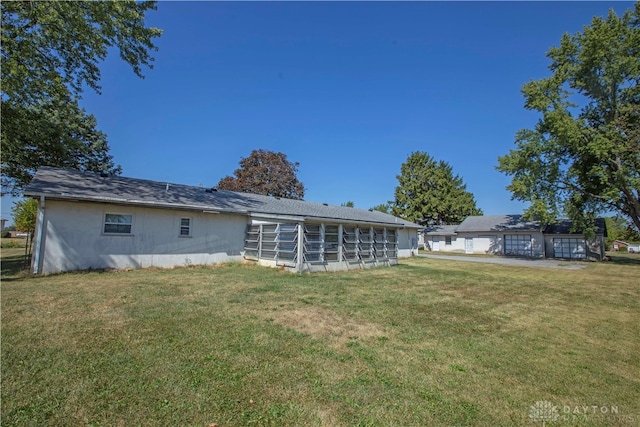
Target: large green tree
point(582, 158)
point(429, 193)
point(50, 134)
point(50, 51)
point(265, 172)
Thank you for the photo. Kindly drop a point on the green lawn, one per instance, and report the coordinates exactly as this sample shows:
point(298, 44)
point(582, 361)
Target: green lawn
point(429, 342)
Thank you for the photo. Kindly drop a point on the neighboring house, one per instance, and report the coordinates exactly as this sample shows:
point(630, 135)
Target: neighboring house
point(441, 238)
point(89, 221)
point(510, 235)
point(618, 245)
point(502, 235)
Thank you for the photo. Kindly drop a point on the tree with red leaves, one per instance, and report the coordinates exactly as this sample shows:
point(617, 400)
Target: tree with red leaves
point(265, 172)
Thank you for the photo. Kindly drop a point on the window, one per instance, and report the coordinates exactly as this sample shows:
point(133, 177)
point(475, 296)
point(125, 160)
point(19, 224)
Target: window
point(331, 243)
point(392, 243)
point(117, 223)
point(349, 243)
point(252, 242)
point(447, 240)
point(379, 244)
point(313, 246)
point(185, 227)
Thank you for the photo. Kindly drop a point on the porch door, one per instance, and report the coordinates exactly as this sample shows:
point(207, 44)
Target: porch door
point(436, 243)
point(468, 245)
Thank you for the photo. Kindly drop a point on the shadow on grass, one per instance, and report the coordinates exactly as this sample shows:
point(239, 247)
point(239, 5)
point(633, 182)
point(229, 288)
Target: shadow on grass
point(14, 267)
point(625, 259)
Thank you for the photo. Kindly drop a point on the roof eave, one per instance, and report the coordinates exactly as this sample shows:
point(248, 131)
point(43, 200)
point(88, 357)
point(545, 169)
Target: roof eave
point(134, 202)
point(209, 208)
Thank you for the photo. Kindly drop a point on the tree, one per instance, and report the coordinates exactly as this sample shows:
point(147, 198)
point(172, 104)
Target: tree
point(50, 134)
point(265, 172)
point(49, 52)
point(24, 215)
point(620, 229)
point(348, 204)
point(384, 208)
point(582, 157)
point(429, 193)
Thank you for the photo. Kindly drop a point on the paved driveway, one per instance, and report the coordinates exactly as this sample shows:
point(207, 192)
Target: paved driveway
point(521, 262)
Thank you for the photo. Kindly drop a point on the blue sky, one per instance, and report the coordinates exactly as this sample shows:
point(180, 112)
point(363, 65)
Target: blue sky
point(348, 90)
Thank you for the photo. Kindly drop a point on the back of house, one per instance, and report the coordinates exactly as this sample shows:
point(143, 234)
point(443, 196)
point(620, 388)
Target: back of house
point(92, 221)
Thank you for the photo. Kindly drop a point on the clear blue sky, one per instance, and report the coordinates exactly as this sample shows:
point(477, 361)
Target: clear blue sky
point(348, 90)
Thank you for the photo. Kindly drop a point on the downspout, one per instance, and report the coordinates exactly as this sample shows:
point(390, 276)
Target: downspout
point(36, 263)
point(300, 248)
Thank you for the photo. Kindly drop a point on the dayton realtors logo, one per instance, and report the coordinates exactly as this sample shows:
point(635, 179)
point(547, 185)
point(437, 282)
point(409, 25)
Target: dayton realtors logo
point(544, 412)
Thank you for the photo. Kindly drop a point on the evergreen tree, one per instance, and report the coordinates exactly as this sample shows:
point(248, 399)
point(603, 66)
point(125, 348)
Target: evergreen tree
point(429, 193)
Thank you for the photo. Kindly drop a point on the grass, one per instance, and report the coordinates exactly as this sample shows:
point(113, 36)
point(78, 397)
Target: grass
point(429, 342)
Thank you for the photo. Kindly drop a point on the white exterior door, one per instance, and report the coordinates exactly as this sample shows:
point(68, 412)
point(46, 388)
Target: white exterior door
point(468, 245)
point(436, 243)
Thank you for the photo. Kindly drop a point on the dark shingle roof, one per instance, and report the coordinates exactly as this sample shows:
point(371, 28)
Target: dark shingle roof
point(497, 223)
point(441, 230)
point(76, 185)
point(564, 227)
point(516, 223)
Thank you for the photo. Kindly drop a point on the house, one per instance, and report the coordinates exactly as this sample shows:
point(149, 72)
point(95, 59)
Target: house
point(502, 235)
point(88, 220)
point(619, 245)
point(441, 238)
point(511, 235)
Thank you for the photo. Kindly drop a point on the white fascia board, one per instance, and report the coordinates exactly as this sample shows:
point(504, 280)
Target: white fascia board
point(353, 221)
point(262, 217)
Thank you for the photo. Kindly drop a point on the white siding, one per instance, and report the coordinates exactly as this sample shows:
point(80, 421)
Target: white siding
point(73, 238)
point(494, 243)
point(457, 244)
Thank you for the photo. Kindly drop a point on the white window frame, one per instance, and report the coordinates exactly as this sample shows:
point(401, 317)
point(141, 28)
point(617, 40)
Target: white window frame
point(115, 233)
point(189, 227)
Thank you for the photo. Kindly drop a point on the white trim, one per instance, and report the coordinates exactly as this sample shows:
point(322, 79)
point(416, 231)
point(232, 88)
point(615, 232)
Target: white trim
point(38, 258)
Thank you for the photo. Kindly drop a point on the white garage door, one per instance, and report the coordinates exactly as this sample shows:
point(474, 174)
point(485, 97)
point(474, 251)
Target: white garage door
point(569, 248)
